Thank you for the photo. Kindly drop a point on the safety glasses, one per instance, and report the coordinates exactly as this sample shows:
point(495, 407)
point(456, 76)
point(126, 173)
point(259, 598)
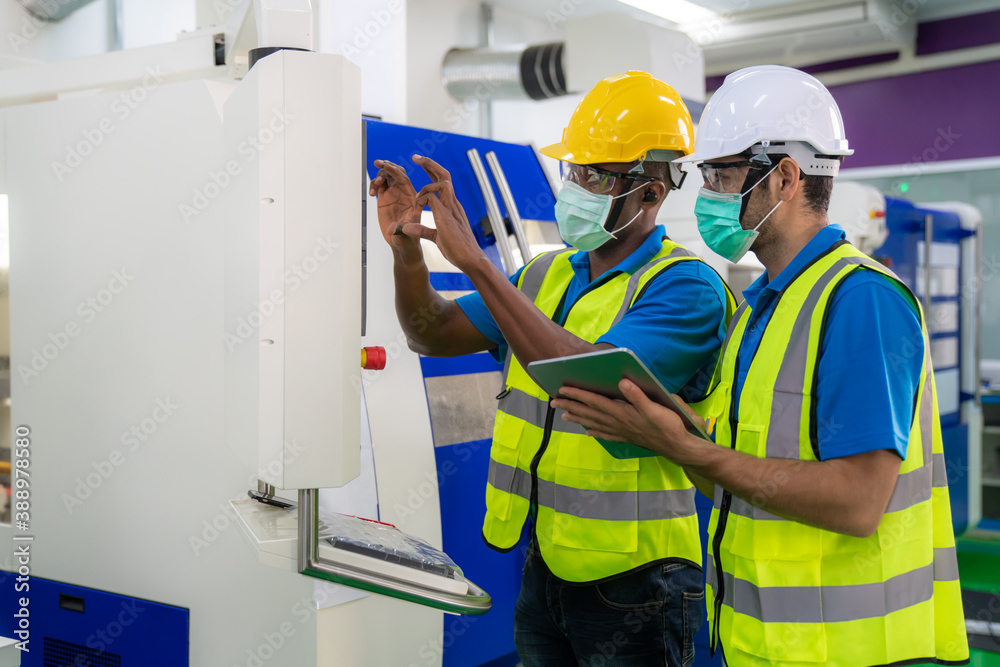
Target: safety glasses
point(725, 176)
point(596, 180)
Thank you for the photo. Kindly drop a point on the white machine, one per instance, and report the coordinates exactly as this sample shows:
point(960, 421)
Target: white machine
point(970, 251)
point(860, 210)
point(298, 378)
point(160, 381)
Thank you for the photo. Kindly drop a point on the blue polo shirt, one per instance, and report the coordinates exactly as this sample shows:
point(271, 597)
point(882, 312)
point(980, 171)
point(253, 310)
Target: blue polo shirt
point(675, 328)
point(866, 386)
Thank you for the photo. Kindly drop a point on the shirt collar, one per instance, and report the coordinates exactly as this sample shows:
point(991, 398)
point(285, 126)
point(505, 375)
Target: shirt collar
point(580, 260)
point(819, 243)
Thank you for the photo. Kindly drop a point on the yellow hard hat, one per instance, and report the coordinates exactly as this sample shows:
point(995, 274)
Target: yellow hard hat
point(624, 118)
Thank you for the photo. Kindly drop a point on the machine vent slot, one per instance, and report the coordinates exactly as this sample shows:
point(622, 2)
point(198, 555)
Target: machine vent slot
point(57, 653)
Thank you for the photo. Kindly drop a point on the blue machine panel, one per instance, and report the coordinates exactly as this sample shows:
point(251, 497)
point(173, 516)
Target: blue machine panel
point(462, 467)
point(907, 233)
point(488, 639)
point(528, 184)
point(72, 626)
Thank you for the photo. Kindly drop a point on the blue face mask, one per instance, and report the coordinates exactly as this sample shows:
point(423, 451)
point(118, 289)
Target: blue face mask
point(718, 216)
point(582, 214)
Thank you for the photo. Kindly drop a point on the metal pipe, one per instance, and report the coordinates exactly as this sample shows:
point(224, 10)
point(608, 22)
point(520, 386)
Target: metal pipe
point(492, 211)
point(308, 528)
point(117, 23)
point(508, 202)
point(486, 40)
point(554, 185)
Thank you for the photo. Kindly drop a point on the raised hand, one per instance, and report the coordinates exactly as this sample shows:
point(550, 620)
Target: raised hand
point(397, 204)
point(453, 235)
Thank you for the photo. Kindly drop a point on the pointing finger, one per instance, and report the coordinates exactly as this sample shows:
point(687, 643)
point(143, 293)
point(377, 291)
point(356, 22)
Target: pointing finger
point(433, 169)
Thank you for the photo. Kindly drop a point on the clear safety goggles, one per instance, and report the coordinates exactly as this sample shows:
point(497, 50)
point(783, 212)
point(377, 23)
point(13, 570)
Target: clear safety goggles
point(597, 180)
point(726, 176)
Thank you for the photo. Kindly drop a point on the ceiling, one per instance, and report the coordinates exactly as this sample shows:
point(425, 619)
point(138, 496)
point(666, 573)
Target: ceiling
point(929, 9)
point(753, 37)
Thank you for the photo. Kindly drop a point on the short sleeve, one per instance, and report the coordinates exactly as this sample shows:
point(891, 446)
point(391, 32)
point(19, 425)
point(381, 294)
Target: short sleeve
point(869, 368)
point(677, 327)
point(475, 309)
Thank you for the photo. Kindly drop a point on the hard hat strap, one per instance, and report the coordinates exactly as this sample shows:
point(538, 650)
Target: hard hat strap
point(753, 178)
point(619, 204)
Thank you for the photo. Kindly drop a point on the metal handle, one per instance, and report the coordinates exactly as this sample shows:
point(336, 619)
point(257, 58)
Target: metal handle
point(492, 210)
point(476, 601)
point(508, 203)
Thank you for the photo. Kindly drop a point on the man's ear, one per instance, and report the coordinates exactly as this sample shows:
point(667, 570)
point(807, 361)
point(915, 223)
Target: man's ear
point(791, 178)
point(653, 195)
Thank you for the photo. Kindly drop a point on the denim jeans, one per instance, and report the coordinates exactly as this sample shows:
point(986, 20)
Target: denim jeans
point(646, 617)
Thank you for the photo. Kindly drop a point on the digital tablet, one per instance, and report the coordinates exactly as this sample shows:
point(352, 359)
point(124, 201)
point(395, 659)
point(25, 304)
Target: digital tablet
point(600, 372)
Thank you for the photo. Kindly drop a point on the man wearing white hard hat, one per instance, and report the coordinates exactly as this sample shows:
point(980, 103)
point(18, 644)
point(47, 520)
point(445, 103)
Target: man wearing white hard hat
point(830, 540)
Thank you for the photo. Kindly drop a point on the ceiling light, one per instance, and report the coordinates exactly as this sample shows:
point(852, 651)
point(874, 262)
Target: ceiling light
point(678, 11)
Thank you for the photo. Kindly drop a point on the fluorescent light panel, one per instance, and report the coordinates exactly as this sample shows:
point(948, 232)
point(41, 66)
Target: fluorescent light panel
point(678, 11)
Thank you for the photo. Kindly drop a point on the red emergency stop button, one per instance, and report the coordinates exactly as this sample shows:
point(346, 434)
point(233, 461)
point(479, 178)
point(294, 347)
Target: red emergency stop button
point(373, 358)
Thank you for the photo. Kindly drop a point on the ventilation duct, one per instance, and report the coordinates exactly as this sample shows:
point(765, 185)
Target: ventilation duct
point(506, 73)
point(574, 66)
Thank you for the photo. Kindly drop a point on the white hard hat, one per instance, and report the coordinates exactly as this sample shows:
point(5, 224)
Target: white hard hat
point(779, 110)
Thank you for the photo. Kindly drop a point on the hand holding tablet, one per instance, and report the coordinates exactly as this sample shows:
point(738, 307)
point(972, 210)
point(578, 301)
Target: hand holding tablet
point(600, 372)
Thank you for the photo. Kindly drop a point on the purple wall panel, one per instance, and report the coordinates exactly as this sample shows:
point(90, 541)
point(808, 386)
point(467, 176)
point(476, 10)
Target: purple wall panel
point(947, 114)
point(959, 32)
point(712, 83)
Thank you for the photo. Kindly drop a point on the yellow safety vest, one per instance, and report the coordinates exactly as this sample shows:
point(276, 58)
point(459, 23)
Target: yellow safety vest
point(792, 594)
point(597, 516)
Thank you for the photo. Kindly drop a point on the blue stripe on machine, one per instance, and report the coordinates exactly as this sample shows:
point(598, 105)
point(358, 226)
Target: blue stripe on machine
point(481, 362)
point(454, 282)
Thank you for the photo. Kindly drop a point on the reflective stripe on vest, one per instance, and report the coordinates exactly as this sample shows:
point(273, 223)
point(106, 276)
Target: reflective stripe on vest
point(837, 604)
point(613, 506)
point(597, 516)
point(792, 593)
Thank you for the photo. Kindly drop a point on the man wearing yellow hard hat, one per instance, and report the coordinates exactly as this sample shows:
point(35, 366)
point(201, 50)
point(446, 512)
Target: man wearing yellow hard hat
point(613, 574)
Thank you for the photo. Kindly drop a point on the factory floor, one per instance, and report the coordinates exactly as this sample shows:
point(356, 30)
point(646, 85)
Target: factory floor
point(979, 567)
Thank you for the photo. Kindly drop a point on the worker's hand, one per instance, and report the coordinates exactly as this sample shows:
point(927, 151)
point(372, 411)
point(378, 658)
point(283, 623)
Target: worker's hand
point(639, 421)
point(453, 235)
point(397, 204)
